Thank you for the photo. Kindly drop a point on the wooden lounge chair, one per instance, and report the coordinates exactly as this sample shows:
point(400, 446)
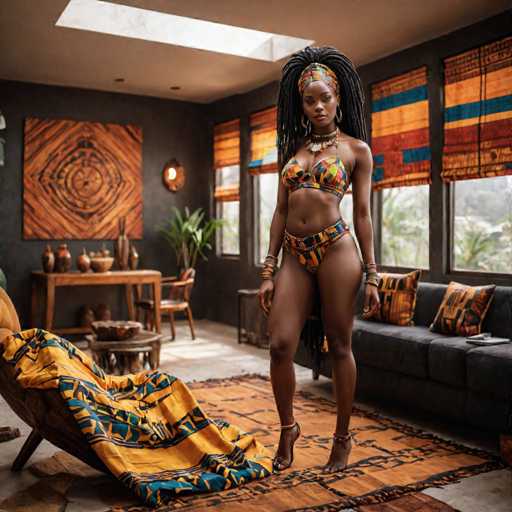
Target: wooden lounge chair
point(43, 410)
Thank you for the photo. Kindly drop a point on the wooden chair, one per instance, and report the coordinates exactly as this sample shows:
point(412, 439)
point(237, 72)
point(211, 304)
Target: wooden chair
point(178, 299)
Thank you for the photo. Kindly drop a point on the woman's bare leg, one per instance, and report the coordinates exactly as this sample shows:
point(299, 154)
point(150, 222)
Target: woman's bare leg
point(339, 277)
point(291, 305)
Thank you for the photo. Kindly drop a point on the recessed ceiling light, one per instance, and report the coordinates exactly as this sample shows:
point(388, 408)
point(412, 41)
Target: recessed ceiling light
point(120, 80)
point(175, 88)
point(126, 21)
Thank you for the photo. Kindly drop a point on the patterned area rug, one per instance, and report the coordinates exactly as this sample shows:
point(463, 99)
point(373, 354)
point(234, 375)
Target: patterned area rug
point(388, 461)
point(388, 467)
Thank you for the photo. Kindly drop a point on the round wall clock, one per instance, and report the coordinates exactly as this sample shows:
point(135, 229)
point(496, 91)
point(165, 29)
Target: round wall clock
point(173, 175)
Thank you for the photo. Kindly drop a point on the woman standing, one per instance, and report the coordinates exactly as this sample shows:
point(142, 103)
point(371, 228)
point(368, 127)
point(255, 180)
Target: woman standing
point(321, 142)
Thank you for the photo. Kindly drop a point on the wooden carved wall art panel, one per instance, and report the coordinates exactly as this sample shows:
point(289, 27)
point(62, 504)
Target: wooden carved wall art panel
point(80, 178)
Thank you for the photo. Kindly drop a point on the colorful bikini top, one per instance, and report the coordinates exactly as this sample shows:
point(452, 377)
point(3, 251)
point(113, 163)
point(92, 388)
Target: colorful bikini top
point(327, 174)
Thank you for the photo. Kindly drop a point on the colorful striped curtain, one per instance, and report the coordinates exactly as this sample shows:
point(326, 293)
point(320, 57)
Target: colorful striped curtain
point(400, 131)
point(478, 112)
point(263, 126)
point(226, 152)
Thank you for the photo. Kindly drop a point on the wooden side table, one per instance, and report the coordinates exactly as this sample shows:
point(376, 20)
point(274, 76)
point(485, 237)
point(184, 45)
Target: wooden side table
point(126, 353)
point(252, 323)
point(46, 283)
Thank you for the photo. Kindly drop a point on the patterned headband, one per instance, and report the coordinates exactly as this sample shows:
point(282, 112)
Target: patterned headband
point(316, 71)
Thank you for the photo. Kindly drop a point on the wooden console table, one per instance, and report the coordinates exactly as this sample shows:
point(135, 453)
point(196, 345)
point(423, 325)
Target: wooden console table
point(46, 283)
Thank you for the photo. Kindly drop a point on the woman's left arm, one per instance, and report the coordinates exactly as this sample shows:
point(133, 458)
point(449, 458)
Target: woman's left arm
point(361, 187)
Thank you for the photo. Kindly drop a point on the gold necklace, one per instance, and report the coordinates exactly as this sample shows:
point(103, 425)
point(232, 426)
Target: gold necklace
point(318, 142)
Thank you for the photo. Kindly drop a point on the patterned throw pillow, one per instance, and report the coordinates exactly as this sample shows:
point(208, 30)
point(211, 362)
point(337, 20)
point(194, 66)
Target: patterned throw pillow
point(397, 294)
point(463, 309)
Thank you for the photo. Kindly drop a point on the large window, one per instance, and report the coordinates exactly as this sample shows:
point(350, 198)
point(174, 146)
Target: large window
point(405, 232)
point(263, 168)
point(228, 209)
point(482, 225)
point(401, 152)
point(477, 157)
point(267, 185)
point(226, 153)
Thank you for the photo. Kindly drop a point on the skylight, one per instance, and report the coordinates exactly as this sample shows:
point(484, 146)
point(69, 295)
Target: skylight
point(126, 21)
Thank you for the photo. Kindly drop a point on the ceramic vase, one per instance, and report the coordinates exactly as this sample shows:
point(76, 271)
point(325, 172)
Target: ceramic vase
point(102, 312)
point(85, 316)
point(63, 259)
point(134, 258)
point(48, 259)
point(83, 262)
point(122, 248)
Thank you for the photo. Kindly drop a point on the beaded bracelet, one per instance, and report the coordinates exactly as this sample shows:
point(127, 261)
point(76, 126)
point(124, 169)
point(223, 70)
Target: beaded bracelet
point(369, 266)
point(372, 278)
point(268, 267)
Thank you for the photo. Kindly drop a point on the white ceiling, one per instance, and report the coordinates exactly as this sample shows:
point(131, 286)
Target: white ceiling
point(33, 49)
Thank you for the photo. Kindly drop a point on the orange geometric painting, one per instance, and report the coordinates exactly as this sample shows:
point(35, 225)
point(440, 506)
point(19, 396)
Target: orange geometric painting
point(79, 178)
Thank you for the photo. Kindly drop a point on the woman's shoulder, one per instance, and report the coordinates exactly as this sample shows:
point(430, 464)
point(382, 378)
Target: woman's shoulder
point(358, 146)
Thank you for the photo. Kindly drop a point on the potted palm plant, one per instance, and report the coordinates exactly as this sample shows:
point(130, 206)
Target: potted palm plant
point(188, 236)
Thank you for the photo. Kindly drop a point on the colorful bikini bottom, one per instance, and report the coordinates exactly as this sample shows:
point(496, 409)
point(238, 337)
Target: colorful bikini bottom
point(310, 249)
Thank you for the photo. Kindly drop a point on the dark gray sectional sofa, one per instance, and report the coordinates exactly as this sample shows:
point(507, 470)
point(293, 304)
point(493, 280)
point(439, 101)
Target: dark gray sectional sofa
point(440, 374)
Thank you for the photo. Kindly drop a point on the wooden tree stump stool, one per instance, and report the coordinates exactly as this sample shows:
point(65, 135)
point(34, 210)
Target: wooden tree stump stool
point(124, 356)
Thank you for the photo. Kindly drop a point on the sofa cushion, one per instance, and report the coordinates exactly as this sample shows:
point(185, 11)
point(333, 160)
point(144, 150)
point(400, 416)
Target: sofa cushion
point(489, 370)
point(428, 298)
point(395, 348)
point(463, 309)
point(397, 294)
point(447, 360)
point(499, 317)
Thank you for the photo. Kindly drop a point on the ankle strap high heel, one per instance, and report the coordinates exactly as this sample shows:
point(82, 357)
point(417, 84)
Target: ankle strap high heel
point(284, 427)
point(342, 438)
point(279, 463)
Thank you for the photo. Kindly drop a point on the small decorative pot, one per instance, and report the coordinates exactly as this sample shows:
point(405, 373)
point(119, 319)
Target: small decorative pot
point(63, 259)
point(83, 262)
point(122, 246)
point(85, 316)
point(102, 312)
point(48, 258)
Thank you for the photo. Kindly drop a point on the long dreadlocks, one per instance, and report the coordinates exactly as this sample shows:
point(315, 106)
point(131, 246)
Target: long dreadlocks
point(289, 106)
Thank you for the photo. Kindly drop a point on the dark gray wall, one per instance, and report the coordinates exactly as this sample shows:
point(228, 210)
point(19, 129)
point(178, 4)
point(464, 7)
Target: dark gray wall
point(170, 129)
point(235, 273)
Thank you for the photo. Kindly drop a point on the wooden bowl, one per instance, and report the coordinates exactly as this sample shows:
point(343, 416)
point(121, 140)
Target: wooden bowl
point(113, 330)
point(102, 264)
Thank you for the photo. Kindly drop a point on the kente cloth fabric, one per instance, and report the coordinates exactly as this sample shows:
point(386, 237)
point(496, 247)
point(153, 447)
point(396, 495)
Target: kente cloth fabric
point(478, 112)
point(310, 249)
point(463, 309)
point(400, 131)
point(397, 294)
point(317, 71)
point(328, 174)
point(147, 428)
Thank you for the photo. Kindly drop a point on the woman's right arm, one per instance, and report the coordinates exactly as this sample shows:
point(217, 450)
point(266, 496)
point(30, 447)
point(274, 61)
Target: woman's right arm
point(277, 227)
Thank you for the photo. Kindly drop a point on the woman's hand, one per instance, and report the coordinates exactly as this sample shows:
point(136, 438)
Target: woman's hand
point(371, 300)
point(266, 292)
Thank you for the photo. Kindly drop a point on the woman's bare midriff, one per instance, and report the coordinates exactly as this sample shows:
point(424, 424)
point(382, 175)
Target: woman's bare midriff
point(310, 210)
